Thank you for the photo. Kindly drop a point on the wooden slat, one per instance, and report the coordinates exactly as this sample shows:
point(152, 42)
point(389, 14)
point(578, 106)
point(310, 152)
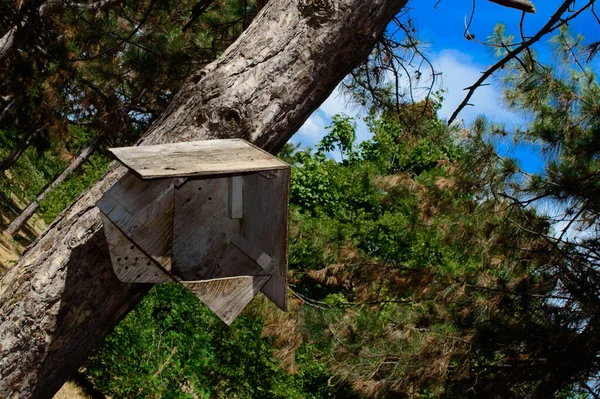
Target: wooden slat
point(130, 263)
point(227, 297)
point(201, 228)
point(235, 205)
point(234, 262)
point(265, 225)
point(254, 253)
point(143, 211)
point(196, 158)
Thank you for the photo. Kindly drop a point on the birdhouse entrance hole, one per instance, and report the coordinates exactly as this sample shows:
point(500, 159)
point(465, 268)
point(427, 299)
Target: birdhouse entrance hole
point(211, 215)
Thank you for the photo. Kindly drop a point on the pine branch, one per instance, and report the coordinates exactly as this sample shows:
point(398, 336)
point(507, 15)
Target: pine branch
point(197, 11)
point(555, 22)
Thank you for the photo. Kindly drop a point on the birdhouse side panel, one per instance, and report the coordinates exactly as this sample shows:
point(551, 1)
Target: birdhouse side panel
point(143, 211)
point(266, 214)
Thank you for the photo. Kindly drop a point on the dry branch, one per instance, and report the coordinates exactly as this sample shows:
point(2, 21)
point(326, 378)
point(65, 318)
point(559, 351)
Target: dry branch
point(523, 5)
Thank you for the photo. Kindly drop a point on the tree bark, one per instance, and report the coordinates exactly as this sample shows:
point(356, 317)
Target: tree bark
point(62, 298)
point(30, 209)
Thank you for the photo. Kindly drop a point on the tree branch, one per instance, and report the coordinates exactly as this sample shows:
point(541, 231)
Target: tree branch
point(555, 22)
point(523, 5)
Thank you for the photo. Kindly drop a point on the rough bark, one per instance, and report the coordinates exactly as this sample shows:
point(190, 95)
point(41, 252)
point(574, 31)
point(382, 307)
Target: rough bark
point(19, 149)
point(30, 209)
point(62, 298)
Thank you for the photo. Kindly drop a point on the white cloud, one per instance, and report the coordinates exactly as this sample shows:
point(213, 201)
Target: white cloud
point(335, 104)
point(311, 132)
point(460, 71)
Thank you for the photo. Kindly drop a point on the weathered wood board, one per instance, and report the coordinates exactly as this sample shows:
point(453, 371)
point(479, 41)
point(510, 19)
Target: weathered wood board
point(197, 158)
point(130, 263)
point(227, 297)
point(201, 227)
point(143, 211)
point(235, 204)
point(265, 225)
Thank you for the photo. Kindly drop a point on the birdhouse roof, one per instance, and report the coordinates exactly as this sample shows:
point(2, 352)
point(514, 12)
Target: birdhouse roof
point(196, 158)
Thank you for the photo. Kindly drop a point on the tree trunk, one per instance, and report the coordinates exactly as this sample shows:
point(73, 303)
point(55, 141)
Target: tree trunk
point(28, 212)
point(62, 298)
point(8, 109)
point(19, 149)
point(6, 43)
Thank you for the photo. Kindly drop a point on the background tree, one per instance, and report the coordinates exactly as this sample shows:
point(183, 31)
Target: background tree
point(113, 70)
point(433, 267)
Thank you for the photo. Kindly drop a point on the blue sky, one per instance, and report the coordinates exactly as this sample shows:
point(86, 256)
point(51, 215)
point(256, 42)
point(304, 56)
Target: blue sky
point(461, 62)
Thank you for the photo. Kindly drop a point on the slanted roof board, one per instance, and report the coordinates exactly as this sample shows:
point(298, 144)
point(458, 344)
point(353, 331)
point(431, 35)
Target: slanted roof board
point(196, 158)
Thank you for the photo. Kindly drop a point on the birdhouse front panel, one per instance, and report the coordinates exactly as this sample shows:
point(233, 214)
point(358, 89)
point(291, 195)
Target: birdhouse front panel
point(211, 215)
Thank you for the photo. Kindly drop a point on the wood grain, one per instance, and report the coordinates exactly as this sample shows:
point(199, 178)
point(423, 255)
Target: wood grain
point(256, 254)
point(196, 158)
point(143, 211)
point(201, 228)
point(265, 226)
point(227, 297)
point(130, 263)
point(235, 205)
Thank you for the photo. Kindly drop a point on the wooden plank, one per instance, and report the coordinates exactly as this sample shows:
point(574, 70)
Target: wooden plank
point(265, 226)
point(130, 263)
point(234, 262)
point(269, 174)
point(227, 297)
point(254, 253)
point(196, 158)
point(235, 206)
point(143, 211)
point(201, 228)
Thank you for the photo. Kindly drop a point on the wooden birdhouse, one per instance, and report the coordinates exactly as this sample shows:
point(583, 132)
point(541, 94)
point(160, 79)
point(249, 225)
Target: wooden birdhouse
point(211, 215)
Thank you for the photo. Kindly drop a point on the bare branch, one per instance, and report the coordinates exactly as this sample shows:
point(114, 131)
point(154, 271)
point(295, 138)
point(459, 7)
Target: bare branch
point(555, 22)
point(523, 5)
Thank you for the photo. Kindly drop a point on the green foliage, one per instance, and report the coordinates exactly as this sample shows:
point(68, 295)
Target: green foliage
point(172, 346)
point(159, 351)
point(64, 194)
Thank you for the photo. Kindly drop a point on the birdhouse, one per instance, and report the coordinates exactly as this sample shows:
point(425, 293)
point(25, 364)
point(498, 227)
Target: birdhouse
point(210, 215)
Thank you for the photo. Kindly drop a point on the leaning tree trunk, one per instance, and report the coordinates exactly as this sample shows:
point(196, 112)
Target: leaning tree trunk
point(62, 298)
point(19, 148)
point(30, 209)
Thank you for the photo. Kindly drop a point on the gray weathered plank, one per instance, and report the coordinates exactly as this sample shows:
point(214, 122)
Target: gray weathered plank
point(235, 205)
point(130, 263)
point(197, 158)
point(143, 211)
point(256, 254)
point(201, 228)
point(227, 297)
point(265, 225)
